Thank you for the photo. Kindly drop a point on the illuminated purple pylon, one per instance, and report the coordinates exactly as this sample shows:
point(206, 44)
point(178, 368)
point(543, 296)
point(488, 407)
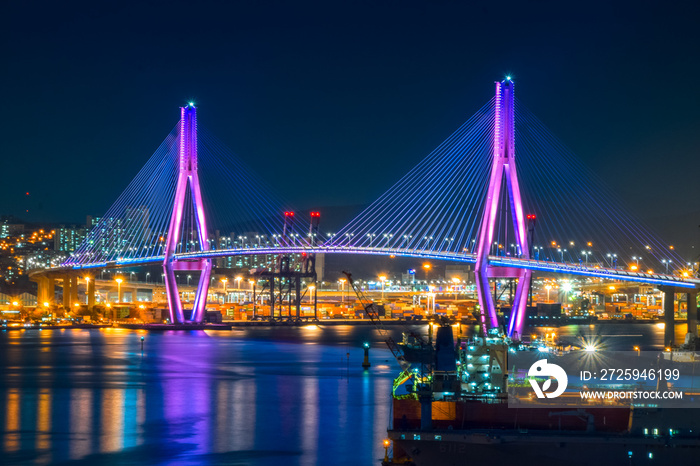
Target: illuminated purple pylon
point(188, 174)
point(503, 162)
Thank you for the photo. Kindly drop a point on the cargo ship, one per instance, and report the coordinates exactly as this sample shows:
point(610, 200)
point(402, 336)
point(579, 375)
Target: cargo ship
point(455, 411)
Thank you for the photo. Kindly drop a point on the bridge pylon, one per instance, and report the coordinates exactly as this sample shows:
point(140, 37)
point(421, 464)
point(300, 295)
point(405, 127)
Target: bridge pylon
point(187, 176)
point(503, 163)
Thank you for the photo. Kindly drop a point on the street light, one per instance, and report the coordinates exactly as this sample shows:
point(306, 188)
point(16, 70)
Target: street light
point(238, 282)
point(342, 289)
point(119, 288)
point(426, 266)
point(666, 262)
point(456, 282)
point(311, 291)
point(188, 279)
point(224, 280)
point(87, 289)
point(548, 287)
point(148, 274)
point(382, 278)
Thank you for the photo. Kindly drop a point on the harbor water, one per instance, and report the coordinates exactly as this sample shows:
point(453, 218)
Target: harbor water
point(250, 396)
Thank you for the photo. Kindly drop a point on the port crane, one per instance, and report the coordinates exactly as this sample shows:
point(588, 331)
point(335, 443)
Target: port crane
point(372, 311)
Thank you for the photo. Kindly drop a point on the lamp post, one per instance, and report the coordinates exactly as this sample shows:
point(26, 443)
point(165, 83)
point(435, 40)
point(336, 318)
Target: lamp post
point(342, 289)
point(666, 262)
point(87, 290)
point(148, 274)
point(312, 289)
point(548, 287)
point(188, 279)
point(426, 266)
point(455, 282)
point(224, 280)
point(382, 278)
point(119, 289)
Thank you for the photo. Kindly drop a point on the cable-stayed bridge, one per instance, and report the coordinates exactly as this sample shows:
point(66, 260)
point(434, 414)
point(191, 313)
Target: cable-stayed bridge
point(501, 192)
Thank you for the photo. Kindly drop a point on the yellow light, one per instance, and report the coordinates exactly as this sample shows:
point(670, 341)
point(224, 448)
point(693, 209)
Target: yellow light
point(382, 277)
point(76, 304)
point(633, 267)
point(455, 280)
point(119, 280)
point(46, 304)
point(548, 287)
point(387, 442)
point(141, 306)
point(109, 305)
point(612, 288)
point(15, 303)
point(668, 349)
point(426, 266)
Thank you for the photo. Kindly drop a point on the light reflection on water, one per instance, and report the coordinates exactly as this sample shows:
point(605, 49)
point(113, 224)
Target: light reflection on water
point(261, 396)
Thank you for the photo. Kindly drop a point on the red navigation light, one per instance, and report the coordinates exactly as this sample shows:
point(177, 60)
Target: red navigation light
point(289, 214)
point(315, 214)
point(531, 217)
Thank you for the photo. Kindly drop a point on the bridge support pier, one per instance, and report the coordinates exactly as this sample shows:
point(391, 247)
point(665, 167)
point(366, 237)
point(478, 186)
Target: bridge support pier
point(692, 298)
point(90, 294)
point(74, 290)
point(46, 290)
point(669, 317)
point(66, 291)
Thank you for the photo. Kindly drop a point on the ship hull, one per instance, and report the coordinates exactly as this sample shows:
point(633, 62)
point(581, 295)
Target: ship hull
point(474, 448)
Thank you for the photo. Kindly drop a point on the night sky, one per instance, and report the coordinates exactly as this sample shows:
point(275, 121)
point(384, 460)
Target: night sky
point(334, 101)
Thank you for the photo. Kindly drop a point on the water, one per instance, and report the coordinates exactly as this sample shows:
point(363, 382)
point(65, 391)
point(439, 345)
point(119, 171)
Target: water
point(258, 396)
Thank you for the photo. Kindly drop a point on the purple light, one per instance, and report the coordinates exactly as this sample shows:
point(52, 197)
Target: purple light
point(503, 161)
point(188, 174)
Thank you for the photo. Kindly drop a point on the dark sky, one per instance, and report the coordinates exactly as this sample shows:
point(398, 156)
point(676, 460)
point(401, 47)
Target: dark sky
point(333, 101)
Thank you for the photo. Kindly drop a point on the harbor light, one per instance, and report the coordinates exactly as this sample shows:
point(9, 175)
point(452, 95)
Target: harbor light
point(365, 363)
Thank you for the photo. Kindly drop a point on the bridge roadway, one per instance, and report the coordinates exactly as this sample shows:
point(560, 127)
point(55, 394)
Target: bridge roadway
point(498, 261)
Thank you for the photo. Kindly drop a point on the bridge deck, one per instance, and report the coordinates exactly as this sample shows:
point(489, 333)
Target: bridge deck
point(543, 266)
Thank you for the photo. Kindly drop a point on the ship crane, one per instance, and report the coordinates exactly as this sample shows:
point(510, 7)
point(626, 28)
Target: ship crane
point(372, 312)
